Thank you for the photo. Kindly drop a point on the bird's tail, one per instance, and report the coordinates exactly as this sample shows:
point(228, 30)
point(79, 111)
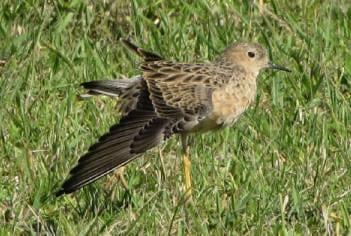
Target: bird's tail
point(113, 88)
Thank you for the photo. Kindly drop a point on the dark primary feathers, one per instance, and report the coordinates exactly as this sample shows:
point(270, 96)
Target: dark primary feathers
point(136, 132)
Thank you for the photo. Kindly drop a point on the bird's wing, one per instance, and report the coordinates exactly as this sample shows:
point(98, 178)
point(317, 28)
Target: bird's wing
point(136, 132)
point(177, 89)
point(180, 90)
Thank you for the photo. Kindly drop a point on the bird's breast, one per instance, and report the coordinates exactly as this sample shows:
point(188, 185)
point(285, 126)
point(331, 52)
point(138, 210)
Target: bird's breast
point(230, 101)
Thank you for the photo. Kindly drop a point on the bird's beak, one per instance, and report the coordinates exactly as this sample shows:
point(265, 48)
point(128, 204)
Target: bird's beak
point(273, 66)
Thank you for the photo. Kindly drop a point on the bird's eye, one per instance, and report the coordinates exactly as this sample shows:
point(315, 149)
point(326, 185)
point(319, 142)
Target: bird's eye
point(251, 54)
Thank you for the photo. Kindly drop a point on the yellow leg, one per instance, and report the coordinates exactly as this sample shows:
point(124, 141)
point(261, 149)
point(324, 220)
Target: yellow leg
point(187, 169)
point(187, 176)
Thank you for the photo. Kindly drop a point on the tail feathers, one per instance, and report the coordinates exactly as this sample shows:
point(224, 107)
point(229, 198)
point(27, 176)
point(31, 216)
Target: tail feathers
point(111, 88)
point(116, 149)
point(146, 55)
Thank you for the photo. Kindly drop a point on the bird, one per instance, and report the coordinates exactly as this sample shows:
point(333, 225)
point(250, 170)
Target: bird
point(170, 98)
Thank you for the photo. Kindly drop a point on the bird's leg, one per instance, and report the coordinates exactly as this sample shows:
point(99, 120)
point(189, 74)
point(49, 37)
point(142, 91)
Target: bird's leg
point(187, 168)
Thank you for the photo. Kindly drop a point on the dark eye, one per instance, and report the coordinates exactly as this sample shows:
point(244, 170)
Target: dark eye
point(251, 54)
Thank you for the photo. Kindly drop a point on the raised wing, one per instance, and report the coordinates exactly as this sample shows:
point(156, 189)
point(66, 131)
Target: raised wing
point(136, 132)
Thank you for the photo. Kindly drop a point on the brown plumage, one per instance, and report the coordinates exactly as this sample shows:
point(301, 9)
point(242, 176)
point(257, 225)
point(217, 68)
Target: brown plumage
point(170, 98)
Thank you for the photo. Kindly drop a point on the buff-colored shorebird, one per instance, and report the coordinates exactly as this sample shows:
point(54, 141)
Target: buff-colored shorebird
point(170, 98)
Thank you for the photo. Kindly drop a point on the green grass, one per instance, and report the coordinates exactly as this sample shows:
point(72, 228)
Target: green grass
point(283, 168)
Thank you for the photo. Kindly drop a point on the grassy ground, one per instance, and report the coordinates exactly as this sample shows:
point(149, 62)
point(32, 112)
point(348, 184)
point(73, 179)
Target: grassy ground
point(284, 168)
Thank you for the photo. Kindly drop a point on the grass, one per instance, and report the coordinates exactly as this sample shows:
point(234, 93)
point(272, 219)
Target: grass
point(284, 168)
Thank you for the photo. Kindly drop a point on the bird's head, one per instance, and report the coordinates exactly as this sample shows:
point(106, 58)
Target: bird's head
point(251, 56)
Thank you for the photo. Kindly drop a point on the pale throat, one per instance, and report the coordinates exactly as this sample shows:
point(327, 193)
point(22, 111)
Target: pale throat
point(254, 72)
